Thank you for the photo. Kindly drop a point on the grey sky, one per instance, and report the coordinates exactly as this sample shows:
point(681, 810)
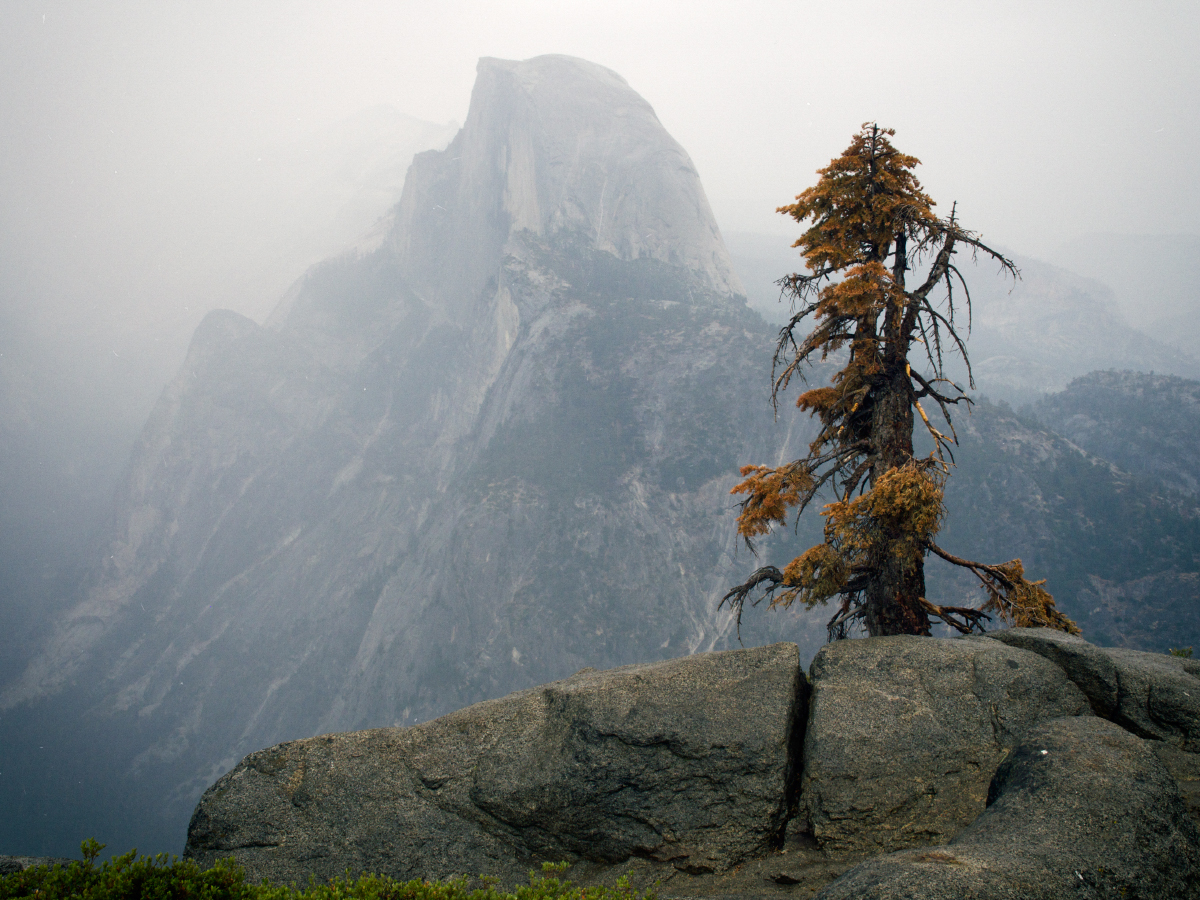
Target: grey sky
point(120, 122)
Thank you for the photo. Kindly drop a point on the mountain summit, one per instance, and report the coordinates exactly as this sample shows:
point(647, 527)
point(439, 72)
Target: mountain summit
point(555, 146)
point(489, 449)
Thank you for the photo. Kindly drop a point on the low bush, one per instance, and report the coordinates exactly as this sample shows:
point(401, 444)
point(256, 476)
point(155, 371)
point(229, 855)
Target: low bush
point(165, 877)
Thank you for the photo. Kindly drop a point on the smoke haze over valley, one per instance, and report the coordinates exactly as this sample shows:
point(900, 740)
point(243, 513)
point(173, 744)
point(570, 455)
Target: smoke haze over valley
point(436, 448)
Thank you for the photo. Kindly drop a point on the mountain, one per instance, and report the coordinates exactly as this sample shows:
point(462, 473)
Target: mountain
point(1028, 337)
point(1120, 550)
point(1153, 278)
point(93, 328)
point(1035, 336)
point(1147, 424)
point(490, 447)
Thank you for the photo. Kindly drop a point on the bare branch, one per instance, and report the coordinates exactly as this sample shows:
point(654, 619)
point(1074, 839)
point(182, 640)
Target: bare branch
point(963, 619)
point(736, 597)
point(977, 567)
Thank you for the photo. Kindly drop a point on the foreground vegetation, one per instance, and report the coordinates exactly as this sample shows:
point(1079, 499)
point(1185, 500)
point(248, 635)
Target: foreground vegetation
point(165, 877)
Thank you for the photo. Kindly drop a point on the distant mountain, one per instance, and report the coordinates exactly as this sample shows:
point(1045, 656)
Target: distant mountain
point(1120, 552)
point(1052, 326)
point(77, 382)
point(1155, 279)
point(1147, 424)
point(1026, 338)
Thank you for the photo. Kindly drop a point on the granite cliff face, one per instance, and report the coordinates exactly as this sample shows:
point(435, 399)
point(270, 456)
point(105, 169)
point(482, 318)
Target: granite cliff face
point(489, 449)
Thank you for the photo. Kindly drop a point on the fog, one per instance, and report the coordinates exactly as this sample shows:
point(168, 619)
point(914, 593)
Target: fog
point(145, 145)
point(158, 161)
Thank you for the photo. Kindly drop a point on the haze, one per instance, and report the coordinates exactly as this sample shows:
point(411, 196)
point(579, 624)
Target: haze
point(122, 124)
point(158, 160)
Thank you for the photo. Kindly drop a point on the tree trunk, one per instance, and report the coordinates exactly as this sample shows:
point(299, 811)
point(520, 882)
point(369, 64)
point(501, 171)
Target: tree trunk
point(893, 599)
point(897, 584)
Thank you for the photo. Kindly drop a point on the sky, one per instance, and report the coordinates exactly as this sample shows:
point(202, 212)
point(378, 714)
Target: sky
point(133, 134)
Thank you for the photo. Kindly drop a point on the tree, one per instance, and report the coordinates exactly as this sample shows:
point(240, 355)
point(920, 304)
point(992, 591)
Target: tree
point(870, 228)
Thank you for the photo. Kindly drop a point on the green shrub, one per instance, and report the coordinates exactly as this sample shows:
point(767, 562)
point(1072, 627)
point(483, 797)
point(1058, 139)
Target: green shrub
point(165, 877)
point(159, 878)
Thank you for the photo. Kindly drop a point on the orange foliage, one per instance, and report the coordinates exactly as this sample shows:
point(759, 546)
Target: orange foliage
point(899, 516)
point(1026, 604)
point(771, 492)
point(860, 199)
